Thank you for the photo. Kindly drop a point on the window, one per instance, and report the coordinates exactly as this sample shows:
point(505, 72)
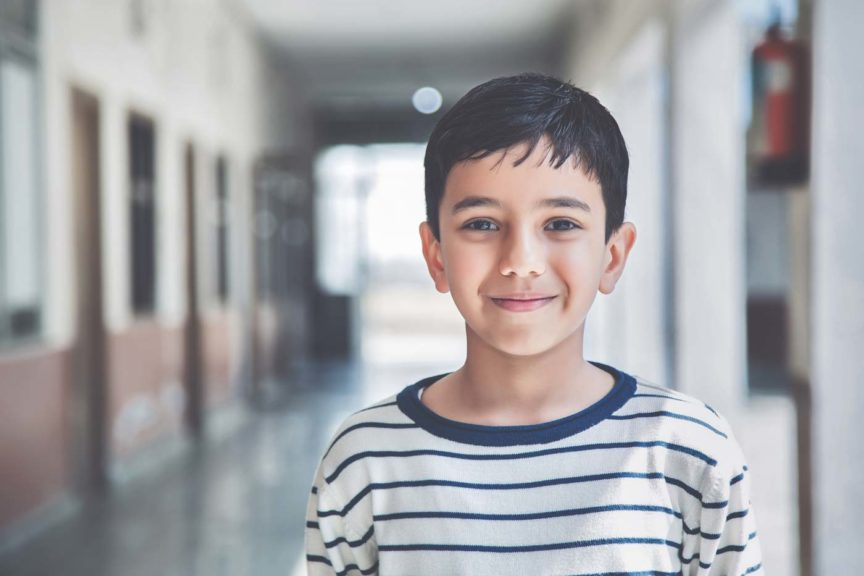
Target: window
point(142, 214)
point(342, 183)
point(21, 253)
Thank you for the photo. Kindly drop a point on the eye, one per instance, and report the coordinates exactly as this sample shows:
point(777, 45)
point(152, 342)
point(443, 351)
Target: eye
point(480, 225)
point(563, 225)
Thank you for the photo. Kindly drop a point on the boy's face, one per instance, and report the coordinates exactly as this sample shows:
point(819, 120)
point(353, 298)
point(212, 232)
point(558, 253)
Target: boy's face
point(522, 249)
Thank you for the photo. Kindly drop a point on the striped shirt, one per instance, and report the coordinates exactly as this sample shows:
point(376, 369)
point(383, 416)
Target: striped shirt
point(647, 481)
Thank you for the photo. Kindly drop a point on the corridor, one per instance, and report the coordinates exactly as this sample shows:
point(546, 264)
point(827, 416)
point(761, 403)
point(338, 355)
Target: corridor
point(209, 253)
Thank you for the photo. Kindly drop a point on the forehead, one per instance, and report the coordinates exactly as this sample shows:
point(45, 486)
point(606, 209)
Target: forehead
point(495, 176)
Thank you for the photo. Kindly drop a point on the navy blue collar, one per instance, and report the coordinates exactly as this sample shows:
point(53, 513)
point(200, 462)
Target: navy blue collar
point(409, 402)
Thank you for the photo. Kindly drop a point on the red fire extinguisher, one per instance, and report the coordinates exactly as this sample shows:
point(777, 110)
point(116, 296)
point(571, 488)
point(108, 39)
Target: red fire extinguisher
point(779, 129)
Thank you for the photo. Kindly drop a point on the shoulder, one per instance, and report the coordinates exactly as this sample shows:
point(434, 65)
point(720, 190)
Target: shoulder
point(369, 429)
point(694, 426)
point(653, 396)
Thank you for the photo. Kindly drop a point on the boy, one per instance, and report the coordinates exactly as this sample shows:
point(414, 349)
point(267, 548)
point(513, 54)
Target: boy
point(529, 459)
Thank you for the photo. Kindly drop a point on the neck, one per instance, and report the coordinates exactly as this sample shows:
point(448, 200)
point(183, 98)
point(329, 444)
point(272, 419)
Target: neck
point(539, 387)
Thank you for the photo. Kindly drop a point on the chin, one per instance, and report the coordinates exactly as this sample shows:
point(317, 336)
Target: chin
point(523, 352)
point(522, 347)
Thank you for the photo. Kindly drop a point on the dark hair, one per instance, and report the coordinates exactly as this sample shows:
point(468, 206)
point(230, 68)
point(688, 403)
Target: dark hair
point(505, 112)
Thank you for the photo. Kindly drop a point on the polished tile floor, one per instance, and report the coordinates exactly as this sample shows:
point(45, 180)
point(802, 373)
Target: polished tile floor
point(235, 505)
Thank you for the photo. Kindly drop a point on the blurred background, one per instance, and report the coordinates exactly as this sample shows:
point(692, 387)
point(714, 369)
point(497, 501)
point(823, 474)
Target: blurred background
point(209, 252)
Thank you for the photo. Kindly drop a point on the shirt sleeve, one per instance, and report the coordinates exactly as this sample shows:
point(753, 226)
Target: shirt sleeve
point(726, 542)
point(333, 546)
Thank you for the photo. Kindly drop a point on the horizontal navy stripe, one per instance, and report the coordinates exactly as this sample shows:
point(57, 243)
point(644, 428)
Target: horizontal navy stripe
point(514, 486)
point(702, 565)
point(527, 548)
point(670, 415)
point(664, 396)
point(553, 514)
point(348, 567)
point(376, 407)
point(752, 569)
point(708, 536)
point(367, 425)
point(642, 573)
point(723, 550)
point(455, 484)
point(692, 491)
point(736, 479)
point(353, 544)
point(667, 396)
point(319, 559)
point(673, 395)
point(518, 455)
point(667, 392)
point(737, 548)
point(311, 524)
point(658, 388)
point(314, 489)
point(528, 515)
point(691, 559)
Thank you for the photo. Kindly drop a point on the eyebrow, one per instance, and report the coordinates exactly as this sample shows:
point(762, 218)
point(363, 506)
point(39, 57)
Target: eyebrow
point(556, 202)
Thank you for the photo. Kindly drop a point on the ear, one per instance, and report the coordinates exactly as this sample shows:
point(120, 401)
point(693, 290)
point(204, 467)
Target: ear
point(617, 249)
point(434, 258)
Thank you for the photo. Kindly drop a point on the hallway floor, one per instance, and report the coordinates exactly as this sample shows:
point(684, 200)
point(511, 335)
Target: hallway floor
point(233, 506)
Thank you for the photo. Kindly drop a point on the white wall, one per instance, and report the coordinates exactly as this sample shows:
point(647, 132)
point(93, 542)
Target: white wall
point(628, 328)
point(838, 284)
point(678, 315)
point(708, 147)
point(199, 71)
point(618, 49)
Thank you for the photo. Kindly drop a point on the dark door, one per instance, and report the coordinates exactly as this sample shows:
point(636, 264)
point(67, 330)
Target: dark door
point(88, 402)
point(192, 336)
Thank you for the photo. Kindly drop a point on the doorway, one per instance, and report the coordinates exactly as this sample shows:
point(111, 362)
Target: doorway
point(194, 416)
point(89, 401)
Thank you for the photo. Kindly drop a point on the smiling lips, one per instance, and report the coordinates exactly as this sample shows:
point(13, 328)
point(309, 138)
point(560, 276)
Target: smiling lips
point(522, 302)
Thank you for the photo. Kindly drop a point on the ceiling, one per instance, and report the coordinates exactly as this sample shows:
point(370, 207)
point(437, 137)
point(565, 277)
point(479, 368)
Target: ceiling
point(371, 55)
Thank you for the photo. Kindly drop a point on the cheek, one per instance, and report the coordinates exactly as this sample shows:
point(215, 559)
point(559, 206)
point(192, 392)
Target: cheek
point(466, 268)
point(580, 268)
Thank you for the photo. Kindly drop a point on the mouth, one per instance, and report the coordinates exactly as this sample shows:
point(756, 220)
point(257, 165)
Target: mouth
point(522, 304)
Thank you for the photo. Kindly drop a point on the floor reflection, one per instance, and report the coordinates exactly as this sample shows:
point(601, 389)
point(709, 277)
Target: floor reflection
point(234, 505)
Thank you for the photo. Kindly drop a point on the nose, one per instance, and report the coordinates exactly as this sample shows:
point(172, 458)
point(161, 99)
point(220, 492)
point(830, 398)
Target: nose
point(522, 254)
